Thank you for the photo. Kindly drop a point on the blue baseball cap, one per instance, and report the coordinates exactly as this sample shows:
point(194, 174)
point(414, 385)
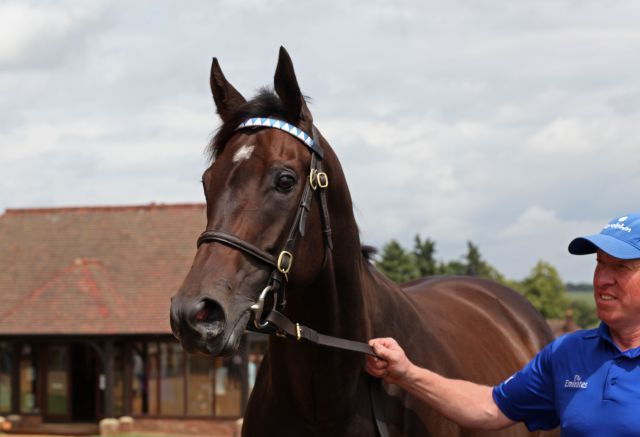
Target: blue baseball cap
point(620, 238)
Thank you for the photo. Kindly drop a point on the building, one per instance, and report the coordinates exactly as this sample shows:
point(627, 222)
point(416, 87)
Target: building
point(84, 321)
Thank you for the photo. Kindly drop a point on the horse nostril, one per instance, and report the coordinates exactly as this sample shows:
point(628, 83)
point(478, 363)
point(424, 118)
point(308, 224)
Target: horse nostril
point(208, 316)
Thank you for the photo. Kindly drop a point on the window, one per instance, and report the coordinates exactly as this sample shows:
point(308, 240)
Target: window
point(256, 347)
point(28, 372)
point(139, 383)
point(168, 382)
point(57, 380)
point(228, 385)
point(6, 357)
point(118, 381)
point(171, 379)
point(200, 385)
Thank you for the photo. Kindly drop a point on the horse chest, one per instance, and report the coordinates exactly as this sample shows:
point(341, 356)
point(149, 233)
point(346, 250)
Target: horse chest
point(305, 403)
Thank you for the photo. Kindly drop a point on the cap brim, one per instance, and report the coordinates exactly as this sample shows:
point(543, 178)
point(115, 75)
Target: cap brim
point(611, 246)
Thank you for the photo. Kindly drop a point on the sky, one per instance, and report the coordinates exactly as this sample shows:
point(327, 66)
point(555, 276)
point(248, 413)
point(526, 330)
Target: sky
point(514, 125)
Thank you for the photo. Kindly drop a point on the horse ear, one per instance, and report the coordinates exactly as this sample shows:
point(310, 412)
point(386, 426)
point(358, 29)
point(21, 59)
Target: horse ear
point(226, 97)
point(286, 86)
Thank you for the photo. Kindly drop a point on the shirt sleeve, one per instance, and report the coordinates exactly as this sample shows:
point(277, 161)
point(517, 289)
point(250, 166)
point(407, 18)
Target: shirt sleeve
point(529, 395)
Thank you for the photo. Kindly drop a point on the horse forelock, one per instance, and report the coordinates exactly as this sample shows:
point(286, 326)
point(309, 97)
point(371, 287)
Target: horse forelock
point(265, 104)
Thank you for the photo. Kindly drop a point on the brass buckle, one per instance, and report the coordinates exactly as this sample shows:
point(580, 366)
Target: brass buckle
point(288, 256)
point(318, 179)
point(323, 179)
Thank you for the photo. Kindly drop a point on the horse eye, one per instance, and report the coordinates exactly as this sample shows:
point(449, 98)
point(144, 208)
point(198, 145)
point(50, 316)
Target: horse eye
point(285, 182)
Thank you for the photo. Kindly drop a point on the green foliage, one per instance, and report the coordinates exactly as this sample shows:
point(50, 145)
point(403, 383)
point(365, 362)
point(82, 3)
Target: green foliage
point(424, 256)
point(584, 313)
point(472, 264)
point(451, 268)
point(543, 287)
point(396, 263)
point(401, 265)
point(546, 291)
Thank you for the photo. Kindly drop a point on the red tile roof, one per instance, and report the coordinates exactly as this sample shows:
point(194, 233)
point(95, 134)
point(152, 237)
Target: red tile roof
point(103, 270)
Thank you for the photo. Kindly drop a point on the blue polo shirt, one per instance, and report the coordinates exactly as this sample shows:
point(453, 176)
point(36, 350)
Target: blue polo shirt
point(581, 382)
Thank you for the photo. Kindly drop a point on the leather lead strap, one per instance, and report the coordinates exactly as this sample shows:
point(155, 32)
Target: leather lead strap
point(375, 395)
point(300, 331)
point(297, 331)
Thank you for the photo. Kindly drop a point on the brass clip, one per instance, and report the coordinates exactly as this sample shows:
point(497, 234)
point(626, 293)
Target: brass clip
point(298, 332)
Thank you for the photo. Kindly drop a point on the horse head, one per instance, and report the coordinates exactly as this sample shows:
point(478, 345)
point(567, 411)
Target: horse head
point(266, 169)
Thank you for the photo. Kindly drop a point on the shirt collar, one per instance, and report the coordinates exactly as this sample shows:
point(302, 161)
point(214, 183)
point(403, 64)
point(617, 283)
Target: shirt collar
point(602, 332)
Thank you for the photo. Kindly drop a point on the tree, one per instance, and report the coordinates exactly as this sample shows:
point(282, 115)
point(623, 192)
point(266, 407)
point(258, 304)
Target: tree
point(472, 264)
point(453, 267)
point(423, 253)
point(584, 313)
point(545, 290)
point(396, 263)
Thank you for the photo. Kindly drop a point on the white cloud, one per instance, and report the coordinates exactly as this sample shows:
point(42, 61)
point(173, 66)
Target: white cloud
point(514, 125)
point(37, 33)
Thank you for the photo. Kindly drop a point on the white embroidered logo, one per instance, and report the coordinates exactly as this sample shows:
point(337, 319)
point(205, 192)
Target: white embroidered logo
point(619, 225)
point(576, 383)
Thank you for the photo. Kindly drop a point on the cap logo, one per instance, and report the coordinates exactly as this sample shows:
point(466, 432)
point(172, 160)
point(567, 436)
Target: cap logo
point(621, 219)
point(618, 226)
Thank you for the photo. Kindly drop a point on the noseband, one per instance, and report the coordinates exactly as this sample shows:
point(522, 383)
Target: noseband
point(317, 181)
point(275, 322)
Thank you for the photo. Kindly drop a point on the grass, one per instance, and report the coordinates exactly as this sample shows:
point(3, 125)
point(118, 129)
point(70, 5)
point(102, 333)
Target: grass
point(584, 296)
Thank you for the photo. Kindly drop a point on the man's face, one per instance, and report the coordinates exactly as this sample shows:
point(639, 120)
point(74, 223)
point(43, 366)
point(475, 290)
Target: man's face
point(616, 284)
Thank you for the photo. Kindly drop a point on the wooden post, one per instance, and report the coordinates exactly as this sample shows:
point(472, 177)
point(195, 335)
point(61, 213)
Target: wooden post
point(109, 377)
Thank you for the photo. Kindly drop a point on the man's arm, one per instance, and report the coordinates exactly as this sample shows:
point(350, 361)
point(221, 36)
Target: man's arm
point(468, 404)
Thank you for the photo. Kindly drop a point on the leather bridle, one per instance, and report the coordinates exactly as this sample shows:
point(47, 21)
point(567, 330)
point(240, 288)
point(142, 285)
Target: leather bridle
point(274, 322)
point(316, 182)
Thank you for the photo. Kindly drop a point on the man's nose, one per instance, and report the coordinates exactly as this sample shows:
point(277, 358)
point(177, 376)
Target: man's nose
point(603, 276)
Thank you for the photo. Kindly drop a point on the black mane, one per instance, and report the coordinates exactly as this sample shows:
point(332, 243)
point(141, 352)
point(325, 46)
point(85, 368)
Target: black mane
point(265, 104)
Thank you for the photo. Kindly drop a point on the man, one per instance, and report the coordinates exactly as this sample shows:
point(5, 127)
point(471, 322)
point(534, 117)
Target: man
point(587, 382)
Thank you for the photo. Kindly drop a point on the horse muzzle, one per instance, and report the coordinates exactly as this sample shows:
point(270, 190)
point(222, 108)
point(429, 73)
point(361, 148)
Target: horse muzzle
point(201, 325)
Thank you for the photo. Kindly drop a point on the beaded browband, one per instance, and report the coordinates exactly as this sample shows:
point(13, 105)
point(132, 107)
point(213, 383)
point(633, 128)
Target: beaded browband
point(285, 127)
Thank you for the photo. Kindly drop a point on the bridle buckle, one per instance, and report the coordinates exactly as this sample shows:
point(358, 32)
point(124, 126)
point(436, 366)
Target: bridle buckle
point(284, 263)
point(318, 179)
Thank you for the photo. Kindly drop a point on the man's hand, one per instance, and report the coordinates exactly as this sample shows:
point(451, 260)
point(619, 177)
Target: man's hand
point(391, 363)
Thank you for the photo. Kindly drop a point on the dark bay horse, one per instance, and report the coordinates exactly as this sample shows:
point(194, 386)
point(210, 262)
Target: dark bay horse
point(279, 213)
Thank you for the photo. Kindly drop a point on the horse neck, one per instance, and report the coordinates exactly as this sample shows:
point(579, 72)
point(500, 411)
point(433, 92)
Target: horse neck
point(322, 384)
